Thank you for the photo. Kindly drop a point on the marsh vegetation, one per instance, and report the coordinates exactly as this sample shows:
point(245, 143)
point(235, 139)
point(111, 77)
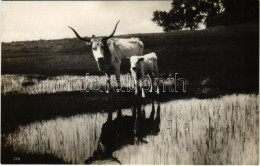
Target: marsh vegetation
point(222, 130)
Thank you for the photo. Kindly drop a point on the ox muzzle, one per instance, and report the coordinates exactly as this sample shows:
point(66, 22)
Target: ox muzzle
point(101, 63)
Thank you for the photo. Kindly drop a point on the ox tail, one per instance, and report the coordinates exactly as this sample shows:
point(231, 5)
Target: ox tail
point(141, 48)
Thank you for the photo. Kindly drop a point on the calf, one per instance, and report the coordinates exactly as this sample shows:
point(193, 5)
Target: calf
point(140, 67)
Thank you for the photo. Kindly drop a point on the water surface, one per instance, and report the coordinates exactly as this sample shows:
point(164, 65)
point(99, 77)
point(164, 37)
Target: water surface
point(210, 131)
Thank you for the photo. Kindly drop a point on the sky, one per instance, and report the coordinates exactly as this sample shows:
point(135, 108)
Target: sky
point(34, 20)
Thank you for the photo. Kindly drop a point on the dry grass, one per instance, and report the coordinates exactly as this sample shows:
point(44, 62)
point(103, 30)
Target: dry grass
point(31, 84)
point(209, 131)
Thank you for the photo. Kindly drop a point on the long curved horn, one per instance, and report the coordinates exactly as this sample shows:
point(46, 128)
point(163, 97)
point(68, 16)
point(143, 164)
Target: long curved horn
point(84, 39)
point(105, 38)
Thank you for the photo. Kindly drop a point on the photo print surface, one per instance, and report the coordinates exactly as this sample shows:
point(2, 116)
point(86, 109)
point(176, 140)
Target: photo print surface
point(130, 82)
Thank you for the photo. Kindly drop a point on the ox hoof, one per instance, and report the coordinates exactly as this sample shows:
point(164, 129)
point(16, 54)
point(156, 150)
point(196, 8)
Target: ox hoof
point(143, 95)
point(158, 91)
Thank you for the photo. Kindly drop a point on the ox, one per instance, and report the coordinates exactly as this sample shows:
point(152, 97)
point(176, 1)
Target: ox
point(109, 52)
point(142, 66)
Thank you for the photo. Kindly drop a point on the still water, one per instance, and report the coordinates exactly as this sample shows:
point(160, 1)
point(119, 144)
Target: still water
point(193, 131)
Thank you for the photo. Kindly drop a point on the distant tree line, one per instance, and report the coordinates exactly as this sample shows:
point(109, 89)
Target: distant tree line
point(190, 13)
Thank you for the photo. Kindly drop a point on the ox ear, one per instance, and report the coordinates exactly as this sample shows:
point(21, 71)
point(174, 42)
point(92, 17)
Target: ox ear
point(140, 59)
point(127, 59)
point(101, 44)
point(89, 43)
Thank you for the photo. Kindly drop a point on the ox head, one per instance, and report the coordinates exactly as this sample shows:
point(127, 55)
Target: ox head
point(97, 44)
point(134, 60)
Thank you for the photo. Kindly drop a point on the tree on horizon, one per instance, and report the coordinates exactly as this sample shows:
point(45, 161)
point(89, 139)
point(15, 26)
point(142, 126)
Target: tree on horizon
point(190, 13)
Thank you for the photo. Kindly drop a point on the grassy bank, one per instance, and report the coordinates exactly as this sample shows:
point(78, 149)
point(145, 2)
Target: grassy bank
point(223, 57)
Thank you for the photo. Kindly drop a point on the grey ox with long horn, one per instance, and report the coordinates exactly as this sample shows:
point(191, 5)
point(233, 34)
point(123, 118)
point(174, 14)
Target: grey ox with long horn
point(109, 52)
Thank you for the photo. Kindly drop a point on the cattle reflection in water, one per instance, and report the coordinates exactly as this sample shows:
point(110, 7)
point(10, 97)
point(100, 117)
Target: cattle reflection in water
point(125, 130)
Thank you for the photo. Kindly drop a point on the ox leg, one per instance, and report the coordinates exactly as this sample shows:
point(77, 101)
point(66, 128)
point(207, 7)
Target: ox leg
point(108, 83)
point(157, 79)
point(143, 94)
point(117, 71)
point(152, 112)
point(152, 76)
point(119, 113)
point(136, 86)
point(151, 87)
point(157, 86)
point(109, 118)
point(134, 76)
point(142, 89)
point(158, 119)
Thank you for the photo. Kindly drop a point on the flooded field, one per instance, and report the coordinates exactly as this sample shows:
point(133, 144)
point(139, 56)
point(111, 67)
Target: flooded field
point(221, 130)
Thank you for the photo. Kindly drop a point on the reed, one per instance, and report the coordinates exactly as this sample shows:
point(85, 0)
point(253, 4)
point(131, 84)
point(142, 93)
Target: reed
point(193, 131)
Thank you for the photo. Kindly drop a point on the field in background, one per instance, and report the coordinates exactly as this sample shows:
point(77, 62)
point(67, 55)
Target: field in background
point(221, 57)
